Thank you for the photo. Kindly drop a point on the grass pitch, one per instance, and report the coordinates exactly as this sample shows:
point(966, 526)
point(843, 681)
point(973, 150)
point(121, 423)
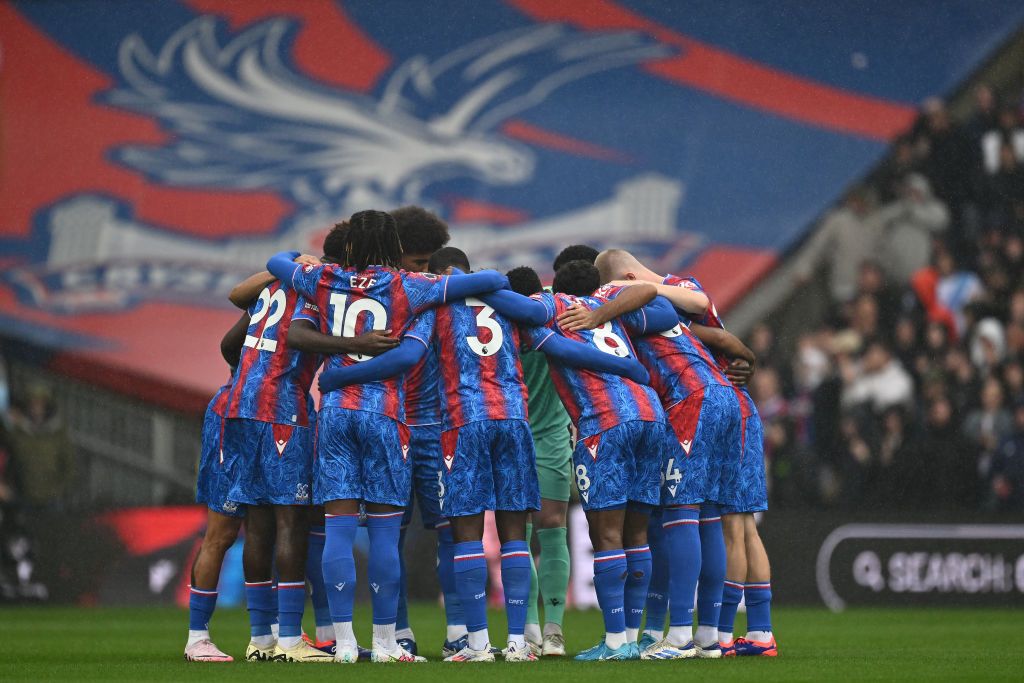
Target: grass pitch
point(145, 644)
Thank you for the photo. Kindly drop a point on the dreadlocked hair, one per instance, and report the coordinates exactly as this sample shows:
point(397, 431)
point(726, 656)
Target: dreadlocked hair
point(371, 240)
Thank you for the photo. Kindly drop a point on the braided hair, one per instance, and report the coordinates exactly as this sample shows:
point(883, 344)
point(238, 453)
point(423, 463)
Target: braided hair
point(371, 240)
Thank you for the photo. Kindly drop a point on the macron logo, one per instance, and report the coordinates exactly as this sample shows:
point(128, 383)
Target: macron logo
point(593, 451)
point(339, 586)
point(405, 452)
point(375, 587)
point(687, 445)
point(281, 443)
point(672, 490)
point(586, 496)
point(448, 460)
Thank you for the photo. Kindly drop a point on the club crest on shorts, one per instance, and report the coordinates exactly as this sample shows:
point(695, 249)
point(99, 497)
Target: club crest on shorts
point(302, 492)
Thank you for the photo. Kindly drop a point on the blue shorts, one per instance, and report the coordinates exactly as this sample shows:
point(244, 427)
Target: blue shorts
point(621, 464)
point(707, 427)
point(270, 463)
point(425, 451)
point(361, 456)
point(214, 480)
point(748, 483)
point(488, 465)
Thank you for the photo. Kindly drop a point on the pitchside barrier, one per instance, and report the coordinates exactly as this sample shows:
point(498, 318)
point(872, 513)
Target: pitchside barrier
point(829, 558)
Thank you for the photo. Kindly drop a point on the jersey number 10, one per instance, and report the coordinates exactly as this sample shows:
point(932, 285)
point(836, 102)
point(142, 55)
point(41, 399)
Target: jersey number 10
point(343, 319)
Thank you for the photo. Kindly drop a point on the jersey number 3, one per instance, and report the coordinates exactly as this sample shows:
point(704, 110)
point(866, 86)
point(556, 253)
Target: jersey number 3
point(485, 319)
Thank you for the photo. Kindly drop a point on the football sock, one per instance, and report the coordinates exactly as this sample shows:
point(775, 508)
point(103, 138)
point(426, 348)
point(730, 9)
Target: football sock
point(339, 567)
point(383, 571)
point(471, 584)
point(262, 605)
point(731, 596)
point(453, 616)
point(554, 573)
point(552, 629)
point(315, 576)
point(402, 621)
point(384, 637)
point(712, 574)
point(657, 589)
point(682, 543)
point(532, 633)
point(515, 581)
point(291, 599)
point(532, 613)
point(638, 576)
point(201, 604)
point(759, 610)
point(344, 635)
point(610, 586)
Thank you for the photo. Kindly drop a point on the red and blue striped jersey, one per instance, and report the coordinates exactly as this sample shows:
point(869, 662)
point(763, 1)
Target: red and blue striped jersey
point(351, 302)
point(272, 380)
point(477, 350)
point(595, 401)
point(219, 403)
point(711, 318)
point(677, 361)
point(422, 393)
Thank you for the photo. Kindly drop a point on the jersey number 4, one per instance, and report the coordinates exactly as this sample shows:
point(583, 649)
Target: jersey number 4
point(344, 318)
point(485, 319)
point(274, 305)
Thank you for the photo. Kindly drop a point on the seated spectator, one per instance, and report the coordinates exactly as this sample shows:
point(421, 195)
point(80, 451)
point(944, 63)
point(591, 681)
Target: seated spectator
point(871, 280)
point(955, 288)
point(988, 347)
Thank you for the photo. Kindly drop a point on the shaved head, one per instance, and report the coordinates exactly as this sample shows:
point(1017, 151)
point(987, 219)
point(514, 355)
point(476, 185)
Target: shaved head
point(619, 264)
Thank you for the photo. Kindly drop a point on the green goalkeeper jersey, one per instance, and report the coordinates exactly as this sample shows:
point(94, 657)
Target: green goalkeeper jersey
point(547, 414)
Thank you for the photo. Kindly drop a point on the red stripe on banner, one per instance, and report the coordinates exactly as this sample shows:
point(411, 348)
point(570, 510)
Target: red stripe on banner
point(55, 141)
point(735, 78)
point(464, 210)
point(535, 135)
point(730, 272)
point(329, 46)
point(146, 530)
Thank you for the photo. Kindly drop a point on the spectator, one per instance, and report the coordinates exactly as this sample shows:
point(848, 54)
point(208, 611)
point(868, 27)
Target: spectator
point(948, 158)
point(1006, 133)
point(1005, 211)
point(41, 452)
point(1006, 491)
point(940, 471)
point(910, 224)
point(878, 382)
point(847, 236)
point(871, 280)
point(985, 115)
point(989, 345)
point(988, 425)
point(955, 287)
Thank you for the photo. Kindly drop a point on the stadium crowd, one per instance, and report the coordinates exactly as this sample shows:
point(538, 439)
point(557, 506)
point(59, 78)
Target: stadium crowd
point(910, 394)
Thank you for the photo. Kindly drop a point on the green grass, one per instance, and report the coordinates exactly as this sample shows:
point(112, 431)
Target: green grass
point(862, 645)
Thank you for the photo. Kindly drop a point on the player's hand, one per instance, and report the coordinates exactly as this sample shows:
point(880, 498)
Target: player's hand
point(373, 343)
point(739, 372)
point(577, 318)
point(307, 260)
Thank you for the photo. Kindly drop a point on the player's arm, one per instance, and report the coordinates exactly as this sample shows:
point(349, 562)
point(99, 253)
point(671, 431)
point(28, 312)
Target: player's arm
point(231, 343)
point(246, 291)
point(583, 356)
point(516, 307)
point(389, 364)
point(303, 336)
point(690, 301)
point(474, 284)
point(287, 266)
point(726, 343)
point(629, 299)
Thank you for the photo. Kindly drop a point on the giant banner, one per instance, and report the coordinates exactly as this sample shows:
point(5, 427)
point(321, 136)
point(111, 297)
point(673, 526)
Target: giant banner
point(153, 153)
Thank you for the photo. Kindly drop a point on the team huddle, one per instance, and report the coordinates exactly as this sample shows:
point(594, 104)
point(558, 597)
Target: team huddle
point(471, 392)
